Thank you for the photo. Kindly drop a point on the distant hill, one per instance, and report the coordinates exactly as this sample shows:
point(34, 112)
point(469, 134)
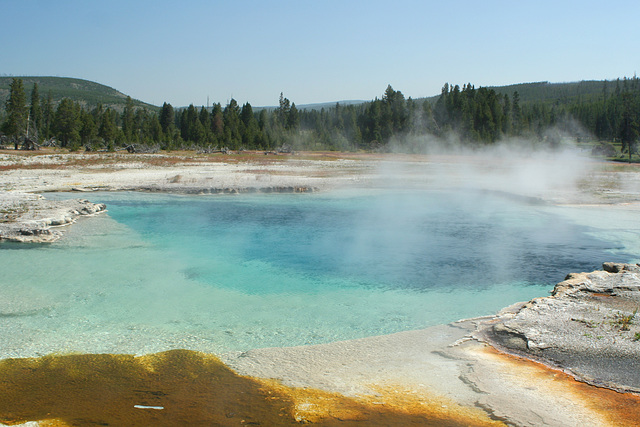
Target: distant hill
point(562, 92)
point(318, 106)
point(86, 93)
point(584, 90)
point(327, 105)
point(89, 93)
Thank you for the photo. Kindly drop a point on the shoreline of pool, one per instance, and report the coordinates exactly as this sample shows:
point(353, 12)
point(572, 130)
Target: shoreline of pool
point(451, 364)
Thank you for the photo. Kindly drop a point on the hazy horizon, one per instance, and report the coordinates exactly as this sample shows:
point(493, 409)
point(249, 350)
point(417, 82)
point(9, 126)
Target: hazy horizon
point(315, 52)
point(313, 104)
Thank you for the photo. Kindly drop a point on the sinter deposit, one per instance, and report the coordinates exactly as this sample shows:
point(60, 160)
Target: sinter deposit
point(587, 327)
point(29, 217)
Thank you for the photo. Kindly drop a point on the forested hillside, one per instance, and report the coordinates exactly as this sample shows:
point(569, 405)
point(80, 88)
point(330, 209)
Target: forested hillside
point(599, 111)
point(553, 92)
point(86, 93)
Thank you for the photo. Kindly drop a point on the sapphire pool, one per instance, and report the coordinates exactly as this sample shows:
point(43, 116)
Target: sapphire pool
point(233, 272)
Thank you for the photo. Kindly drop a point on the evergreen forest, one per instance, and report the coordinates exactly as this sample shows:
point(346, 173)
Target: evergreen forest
point(470, 116)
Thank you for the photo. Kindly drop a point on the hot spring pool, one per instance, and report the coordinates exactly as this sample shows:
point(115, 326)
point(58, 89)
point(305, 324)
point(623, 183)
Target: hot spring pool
point(235, 272)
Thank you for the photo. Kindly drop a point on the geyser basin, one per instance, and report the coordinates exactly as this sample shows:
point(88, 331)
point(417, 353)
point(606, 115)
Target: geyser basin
point(220, 273)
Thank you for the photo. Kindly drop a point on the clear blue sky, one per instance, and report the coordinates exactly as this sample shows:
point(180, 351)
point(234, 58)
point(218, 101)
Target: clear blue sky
point(315, 50)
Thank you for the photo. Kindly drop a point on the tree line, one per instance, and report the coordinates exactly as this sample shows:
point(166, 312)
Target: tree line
point(477, 116)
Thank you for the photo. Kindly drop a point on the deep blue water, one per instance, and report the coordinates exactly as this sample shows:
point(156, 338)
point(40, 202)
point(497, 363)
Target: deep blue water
point(414, 241)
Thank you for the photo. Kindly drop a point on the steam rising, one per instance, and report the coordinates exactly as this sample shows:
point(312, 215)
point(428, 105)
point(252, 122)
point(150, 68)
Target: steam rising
point(524, 167)
point(491, 196)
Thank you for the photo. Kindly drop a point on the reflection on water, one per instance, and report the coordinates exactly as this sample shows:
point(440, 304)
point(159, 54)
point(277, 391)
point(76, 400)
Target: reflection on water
point(221, 273)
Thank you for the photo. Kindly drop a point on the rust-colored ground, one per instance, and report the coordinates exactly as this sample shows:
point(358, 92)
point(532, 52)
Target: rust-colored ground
point(618, 409)
point(167, 159)
point(181, 387)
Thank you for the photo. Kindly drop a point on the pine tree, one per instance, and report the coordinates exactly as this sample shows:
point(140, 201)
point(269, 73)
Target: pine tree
point(154, 129)
point(217, 121)
point(167, 118)
point(440, 113)
point(108, 130)
point(205, 119)
point(516, 114)
point(263, 119)
point(396, 111)
point(628, 126)
point(232, 124)
point(282, 114)
point(293, 119)
point(128, 117)
point(67, 124)
point(189, 124)
point(246, 114)
point(17, 111)
point(35, 113)
point(506, 114)
point(88, 130)
point(47, 117)
point(250, 126)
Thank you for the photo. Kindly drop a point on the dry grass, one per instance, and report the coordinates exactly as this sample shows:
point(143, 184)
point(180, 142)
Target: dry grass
point(63, 159)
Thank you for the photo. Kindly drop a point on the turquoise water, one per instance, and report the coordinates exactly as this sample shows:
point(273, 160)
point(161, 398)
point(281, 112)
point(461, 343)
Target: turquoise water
point(235, 272)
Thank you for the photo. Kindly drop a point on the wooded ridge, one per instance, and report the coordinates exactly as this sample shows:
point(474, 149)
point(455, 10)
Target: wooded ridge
point(87, 115)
